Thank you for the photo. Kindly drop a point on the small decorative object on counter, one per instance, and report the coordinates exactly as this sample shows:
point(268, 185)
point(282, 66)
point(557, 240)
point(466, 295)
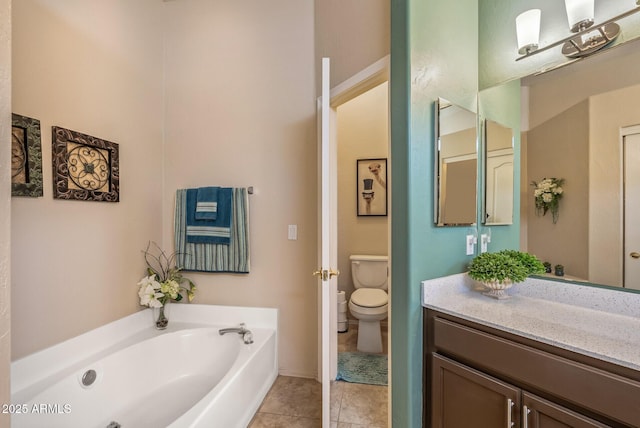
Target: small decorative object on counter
point(559, 270)
point(547, 195)
point(547, 267)
point(162, 285)
point(499, 271)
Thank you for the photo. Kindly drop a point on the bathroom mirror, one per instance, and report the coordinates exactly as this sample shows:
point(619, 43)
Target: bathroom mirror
point(577, 123)
point(498, 174)
point(456, 165)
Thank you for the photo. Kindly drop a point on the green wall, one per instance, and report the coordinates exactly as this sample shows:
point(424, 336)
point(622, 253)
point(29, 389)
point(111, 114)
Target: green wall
point(428, 60)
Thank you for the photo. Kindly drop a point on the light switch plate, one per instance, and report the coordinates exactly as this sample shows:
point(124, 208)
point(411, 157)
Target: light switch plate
point(292, 233)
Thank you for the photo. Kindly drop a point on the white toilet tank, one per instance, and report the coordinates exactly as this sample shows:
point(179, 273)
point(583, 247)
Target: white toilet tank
point(369, 271)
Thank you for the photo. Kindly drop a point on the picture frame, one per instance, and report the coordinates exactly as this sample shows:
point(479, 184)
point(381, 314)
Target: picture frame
point(26, 157)
point(371, 187)
point(85, 168)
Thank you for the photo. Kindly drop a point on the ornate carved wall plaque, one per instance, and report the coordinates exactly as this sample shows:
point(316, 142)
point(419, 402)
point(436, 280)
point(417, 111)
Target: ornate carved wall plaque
point(26, 157)
point(85, 168)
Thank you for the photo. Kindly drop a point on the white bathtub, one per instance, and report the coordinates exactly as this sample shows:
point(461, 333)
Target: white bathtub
point(185, 376)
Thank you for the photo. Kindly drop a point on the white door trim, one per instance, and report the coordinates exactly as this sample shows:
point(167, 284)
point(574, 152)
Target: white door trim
point(624, 132)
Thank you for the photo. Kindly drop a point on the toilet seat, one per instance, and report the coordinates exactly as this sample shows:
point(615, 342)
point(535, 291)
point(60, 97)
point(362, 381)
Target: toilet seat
point(369, 297)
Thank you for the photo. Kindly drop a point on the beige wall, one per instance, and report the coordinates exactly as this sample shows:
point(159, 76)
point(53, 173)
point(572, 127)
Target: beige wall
point(559, 148)
point(93, 67)
point(458, 143)
point(97, 68)
point(353, 33)
point(5, 205)
point(241, 112)
point(609, 112)
point(362, 133)
point(565, 87)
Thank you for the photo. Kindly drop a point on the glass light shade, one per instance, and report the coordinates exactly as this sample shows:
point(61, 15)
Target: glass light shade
point(580, 13)
point(528, 30)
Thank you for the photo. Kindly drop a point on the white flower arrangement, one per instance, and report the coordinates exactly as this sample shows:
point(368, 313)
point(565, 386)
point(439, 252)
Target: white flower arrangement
point(164, 280)
point(548, 193)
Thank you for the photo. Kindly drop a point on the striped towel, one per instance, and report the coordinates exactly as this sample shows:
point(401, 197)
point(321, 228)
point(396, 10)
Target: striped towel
point(203, 257)
point(216, 231)
point(207, 203)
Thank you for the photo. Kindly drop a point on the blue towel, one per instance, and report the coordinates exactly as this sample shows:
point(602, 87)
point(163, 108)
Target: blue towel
point(207, 203)
point(216, 231)
point(214, 257)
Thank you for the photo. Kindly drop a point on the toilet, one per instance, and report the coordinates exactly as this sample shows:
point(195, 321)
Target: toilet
point(369, 302)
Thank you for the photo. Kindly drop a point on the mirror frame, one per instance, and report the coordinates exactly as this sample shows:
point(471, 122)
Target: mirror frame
point(439, 104)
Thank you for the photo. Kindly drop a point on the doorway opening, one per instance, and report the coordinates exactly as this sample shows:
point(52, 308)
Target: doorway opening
point(362, 139)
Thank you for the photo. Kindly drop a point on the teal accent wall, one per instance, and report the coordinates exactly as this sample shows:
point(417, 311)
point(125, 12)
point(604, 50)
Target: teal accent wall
point(428, 60)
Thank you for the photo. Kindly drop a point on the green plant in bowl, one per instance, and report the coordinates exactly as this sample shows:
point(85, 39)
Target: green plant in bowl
point(499, 271)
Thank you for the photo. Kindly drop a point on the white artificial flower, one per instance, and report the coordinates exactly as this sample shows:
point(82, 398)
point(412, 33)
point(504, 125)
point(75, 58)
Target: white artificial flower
point(547, 197)
point(149, 296)
point(537, 192)
point(150, 280)
point(558, 190)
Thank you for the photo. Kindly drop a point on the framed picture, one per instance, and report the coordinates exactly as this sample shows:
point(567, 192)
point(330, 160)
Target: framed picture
point(85, 168)
point(26, 157)
point(371, 187)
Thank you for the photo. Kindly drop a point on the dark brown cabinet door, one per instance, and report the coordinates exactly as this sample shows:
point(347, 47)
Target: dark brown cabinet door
point(540, 413)
point(464, 397)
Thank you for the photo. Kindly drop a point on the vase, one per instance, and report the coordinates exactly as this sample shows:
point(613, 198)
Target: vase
point(160, 316)
point(496, 289)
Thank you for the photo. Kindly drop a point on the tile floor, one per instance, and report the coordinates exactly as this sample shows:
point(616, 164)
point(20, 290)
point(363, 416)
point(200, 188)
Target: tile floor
point(296, 402)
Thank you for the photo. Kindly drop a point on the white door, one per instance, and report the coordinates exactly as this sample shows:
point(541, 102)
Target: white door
point(499, 203)
point(632, 210)
point(327, 293)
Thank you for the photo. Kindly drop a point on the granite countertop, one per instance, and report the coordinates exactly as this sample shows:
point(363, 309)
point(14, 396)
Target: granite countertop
point(598, 322)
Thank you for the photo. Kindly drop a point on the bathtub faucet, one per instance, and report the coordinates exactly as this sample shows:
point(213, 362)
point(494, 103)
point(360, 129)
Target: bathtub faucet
point(247, 336)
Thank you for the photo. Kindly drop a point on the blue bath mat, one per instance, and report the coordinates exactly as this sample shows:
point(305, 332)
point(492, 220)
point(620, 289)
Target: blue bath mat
point(359, 367)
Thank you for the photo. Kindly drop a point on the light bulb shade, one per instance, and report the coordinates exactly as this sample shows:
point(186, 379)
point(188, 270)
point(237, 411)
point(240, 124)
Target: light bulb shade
point(528, 30)
point(580, 14)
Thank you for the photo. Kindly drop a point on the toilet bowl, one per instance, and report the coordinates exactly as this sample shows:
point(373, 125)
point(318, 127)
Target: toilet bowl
point(369, 303)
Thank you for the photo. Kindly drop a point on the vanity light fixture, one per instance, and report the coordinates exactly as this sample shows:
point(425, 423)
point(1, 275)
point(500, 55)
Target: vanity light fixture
point(528, 30)
point(588, 38)
point(580, 14)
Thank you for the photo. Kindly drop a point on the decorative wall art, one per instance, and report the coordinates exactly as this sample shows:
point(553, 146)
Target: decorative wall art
point(85, 168)
point(371, 196)
point(26, 157)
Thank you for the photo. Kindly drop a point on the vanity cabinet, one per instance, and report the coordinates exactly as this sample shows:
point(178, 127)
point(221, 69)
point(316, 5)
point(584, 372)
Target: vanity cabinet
point(464, 397)
point(477, 376)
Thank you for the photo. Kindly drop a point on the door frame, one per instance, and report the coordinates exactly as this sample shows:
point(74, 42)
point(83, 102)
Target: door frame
point(370, 77)
point(624, 132)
